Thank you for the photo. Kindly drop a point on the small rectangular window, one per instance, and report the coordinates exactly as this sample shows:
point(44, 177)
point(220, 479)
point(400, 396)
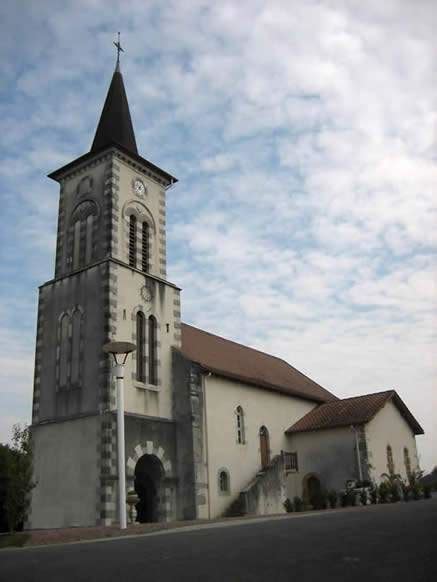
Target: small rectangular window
point(290, 462)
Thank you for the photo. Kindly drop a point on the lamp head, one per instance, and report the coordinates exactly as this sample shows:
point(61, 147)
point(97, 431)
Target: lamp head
point(120, 349)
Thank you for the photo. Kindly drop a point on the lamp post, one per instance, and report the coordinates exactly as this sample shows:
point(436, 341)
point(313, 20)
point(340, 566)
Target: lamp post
point(120, 352)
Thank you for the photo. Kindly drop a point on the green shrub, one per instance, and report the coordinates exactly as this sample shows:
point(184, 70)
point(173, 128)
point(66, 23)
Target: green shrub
point(363, 497)
point(427, 491)
point(297, 503)
point(288, 505)
point(394, 492)
point(332, 498)
point(383, 492)
point(374, 495)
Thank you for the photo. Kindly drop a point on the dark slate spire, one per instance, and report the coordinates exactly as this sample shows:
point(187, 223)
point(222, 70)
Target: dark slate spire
point(115, 125)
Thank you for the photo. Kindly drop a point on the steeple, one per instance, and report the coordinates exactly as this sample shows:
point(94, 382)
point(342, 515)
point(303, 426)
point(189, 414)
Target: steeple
point(115, 124)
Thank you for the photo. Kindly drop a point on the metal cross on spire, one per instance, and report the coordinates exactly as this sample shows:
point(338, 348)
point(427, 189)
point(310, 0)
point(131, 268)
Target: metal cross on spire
point(119, 49)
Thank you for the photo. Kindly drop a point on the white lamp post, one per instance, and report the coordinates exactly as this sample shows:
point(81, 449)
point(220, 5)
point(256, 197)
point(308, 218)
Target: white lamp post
point(120, 352)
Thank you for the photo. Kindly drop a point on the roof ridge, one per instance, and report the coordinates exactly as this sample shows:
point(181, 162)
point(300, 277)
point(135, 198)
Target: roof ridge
point(391, 391)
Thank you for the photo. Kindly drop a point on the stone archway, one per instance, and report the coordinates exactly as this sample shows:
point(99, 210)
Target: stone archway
point(149, 473)
point(311, 489)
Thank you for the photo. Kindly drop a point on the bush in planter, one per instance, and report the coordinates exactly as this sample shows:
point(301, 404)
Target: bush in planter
point(394, 492)
point(416, 491)
point(383, 492)
point(332, 498)
point(363, 497)
point(288, 505)
point(351, 498)
point(297, 503)
point(374, 495)
point(406, 491)
point(427, 491)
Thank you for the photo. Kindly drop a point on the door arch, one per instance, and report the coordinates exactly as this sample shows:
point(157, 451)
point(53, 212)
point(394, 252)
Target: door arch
point(264, 446)
point(149, 473)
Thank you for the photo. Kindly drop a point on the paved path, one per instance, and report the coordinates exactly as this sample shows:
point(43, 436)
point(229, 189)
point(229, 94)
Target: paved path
point(379, 543)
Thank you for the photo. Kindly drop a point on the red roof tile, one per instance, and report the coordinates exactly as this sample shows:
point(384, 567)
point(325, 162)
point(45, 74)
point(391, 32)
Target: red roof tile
point(351, 411)
point(231, 360)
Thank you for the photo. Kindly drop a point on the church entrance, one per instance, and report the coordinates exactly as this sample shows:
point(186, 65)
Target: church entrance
point(148, 479)
point(264, 446)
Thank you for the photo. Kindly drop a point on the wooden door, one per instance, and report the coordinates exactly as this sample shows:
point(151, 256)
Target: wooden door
point(264, 444)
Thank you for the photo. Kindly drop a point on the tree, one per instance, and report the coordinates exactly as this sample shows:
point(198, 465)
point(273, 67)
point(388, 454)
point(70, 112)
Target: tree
point(18, 477)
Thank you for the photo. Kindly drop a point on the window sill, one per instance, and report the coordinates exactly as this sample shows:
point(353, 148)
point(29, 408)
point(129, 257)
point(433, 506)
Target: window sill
point(291, 471)
point(144, 386)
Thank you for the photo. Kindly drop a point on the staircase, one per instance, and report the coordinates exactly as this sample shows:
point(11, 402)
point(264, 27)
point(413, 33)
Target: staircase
point(264, 495)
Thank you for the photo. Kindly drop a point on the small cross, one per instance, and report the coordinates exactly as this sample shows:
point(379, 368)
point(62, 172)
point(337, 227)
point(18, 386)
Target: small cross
point(119, 49)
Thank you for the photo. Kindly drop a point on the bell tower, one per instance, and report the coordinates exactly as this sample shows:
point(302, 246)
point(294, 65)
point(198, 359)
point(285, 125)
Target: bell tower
point(109, 284)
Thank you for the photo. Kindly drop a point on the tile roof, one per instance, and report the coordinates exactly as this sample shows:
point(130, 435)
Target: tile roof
point(232, 360)
point(351, 411)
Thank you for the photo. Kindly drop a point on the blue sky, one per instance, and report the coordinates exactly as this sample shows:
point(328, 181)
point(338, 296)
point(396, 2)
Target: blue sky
point(303, 136)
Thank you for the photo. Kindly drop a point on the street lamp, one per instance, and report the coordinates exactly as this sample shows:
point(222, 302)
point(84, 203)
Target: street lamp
point(120, 352)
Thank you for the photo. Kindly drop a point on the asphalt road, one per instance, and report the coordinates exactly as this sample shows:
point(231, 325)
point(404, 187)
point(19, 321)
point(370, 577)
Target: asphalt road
point(378, 543)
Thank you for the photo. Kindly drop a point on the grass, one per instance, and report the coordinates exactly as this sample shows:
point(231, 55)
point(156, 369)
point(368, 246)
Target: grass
point(14, 540)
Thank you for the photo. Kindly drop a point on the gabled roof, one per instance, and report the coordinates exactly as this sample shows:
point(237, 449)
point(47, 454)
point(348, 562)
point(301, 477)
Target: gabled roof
point(352, 411)
point(235, 361)
point(115, 125)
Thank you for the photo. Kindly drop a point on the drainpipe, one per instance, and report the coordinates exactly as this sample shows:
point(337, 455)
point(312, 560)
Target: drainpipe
point(204, 376)
point(360, 471)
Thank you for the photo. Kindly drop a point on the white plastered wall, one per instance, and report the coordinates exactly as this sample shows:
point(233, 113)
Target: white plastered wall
point(389, 427)
point(261, 407)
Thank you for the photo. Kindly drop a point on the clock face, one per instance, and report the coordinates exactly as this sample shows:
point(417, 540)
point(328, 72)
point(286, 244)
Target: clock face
point(139, 187)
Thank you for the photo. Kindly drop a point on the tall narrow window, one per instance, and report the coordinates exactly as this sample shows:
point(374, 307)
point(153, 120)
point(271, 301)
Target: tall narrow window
point(153, 364)
point(89, 239)
point(145, 248)
point(75, 346)
point(407, 462)
point(140, 347)
point(76, 244)
point(390, 462)
point(64, 350)
point(224, 482)
point(133, 241)
point(240, 425)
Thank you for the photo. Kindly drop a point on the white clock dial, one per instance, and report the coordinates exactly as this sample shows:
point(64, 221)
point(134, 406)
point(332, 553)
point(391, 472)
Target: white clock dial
point(139, 187)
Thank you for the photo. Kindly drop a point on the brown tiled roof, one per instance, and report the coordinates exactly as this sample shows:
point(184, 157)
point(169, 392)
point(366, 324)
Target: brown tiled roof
point(231, 360)
point(351, 411)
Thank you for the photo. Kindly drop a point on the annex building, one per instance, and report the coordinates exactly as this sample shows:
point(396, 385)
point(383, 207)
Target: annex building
point(209, 423)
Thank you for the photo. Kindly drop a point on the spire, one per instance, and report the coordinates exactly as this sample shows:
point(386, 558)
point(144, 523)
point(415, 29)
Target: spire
point(115, 124)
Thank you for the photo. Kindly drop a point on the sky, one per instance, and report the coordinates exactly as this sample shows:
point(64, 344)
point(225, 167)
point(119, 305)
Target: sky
point(303, 135)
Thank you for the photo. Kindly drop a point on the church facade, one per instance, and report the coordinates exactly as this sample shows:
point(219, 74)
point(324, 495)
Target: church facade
point(209, 424)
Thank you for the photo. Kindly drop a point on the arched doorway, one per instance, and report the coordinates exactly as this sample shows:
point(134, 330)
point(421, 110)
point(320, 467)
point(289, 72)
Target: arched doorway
point(264, 446)
point(312, 490)
point(148, 477)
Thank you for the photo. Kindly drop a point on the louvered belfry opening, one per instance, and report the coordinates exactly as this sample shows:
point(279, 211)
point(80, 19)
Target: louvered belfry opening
point(145, 248)
point(133, 241)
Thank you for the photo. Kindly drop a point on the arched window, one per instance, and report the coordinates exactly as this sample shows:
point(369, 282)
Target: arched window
point(75, 346)
point(133, 241)
point(82, 221)
point(407, 461)
point(153, 363)
point(141, 343)
point(64, 349)
point(390, 462)
point(240, 425)
point(264, 446)
point(224, 485)
point(145, 248)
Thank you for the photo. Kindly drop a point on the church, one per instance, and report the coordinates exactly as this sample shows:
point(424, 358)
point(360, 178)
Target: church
point(212, 427)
